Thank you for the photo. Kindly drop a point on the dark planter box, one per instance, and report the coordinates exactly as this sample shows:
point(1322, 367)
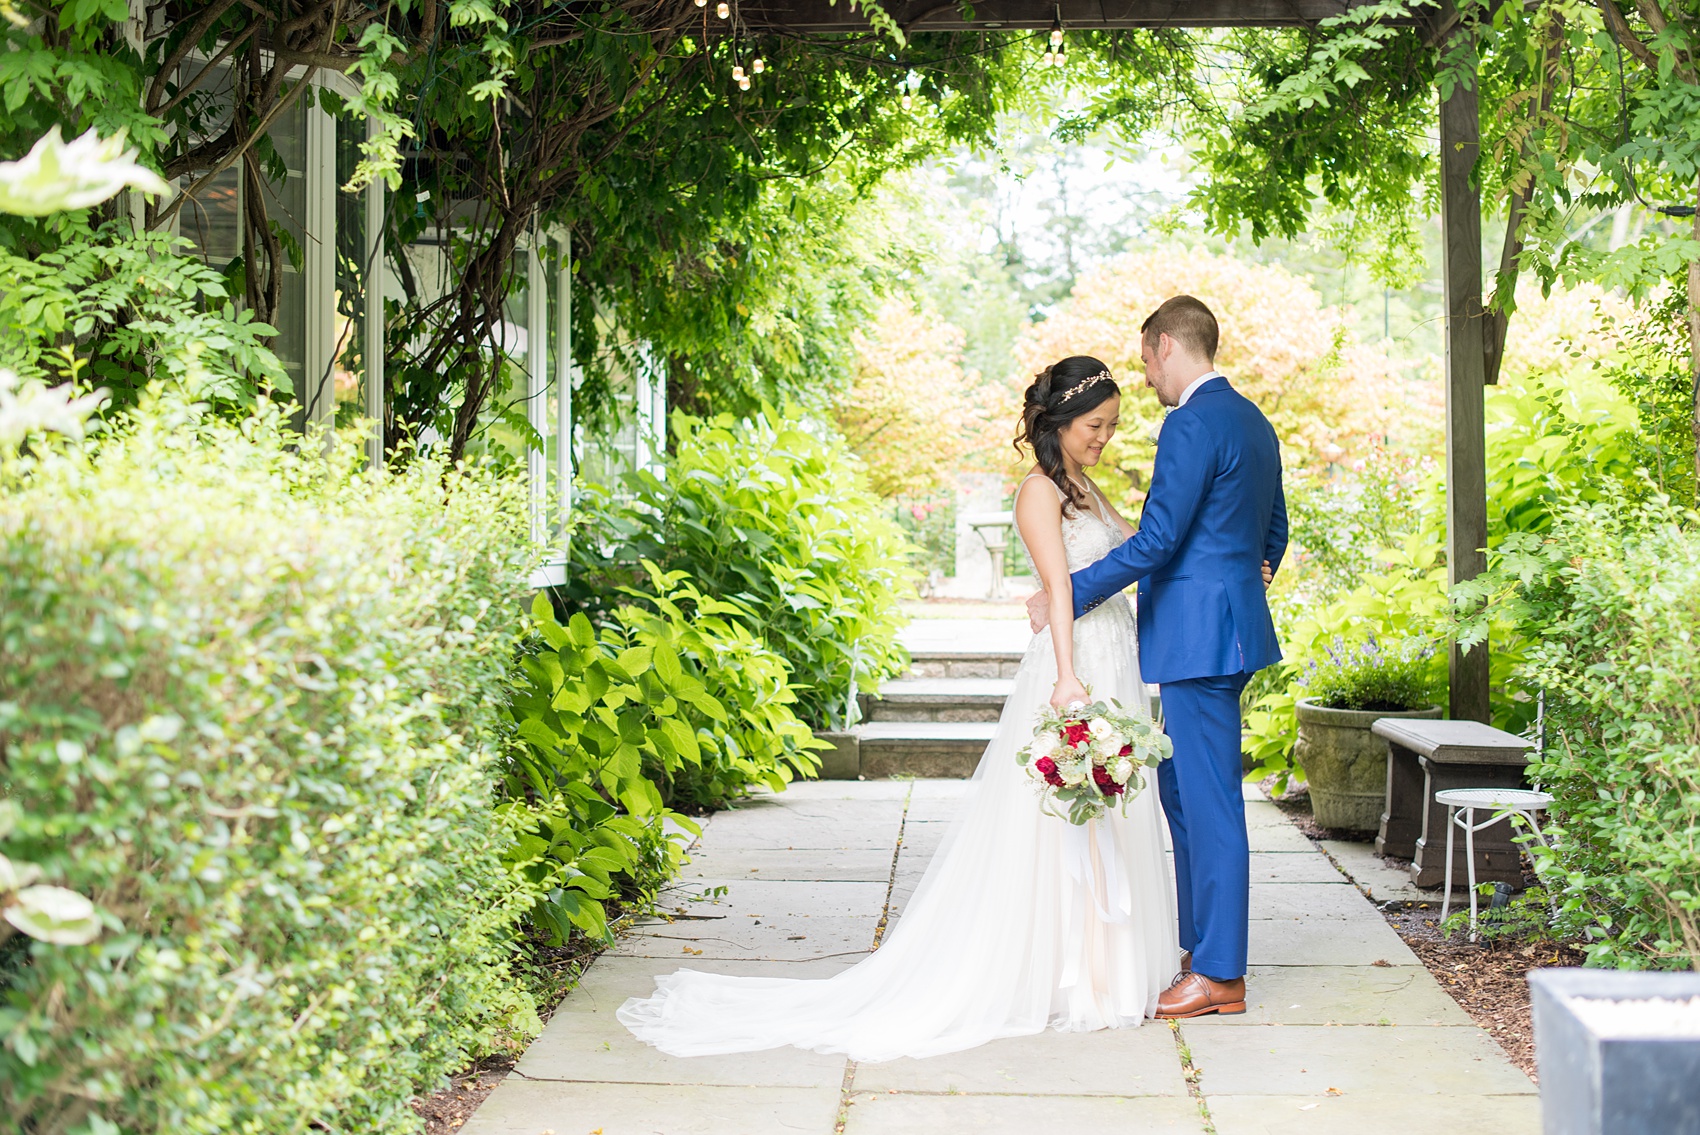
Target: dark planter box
point(1615, 1080)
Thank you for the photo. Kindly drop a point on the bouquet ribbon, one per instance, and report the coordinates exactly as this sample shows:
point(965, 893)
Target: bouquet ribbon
point(1089, 856)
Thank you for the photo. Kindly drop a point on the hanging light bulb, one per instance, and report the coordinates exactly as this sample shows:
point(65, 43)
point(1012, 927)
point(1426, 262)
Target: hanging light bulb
point(1060, 58)
point(723, 10)
point(702, 3)
point(737, 74)
point(1056, 33)
point(1048, 58)
point(908, 102)
point(758, 65)
point(744, 83)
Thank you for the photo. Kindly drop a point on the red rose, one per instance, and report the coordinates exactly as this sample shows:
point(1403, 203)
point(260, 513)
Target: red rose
point(1045, 765)
point(1054, 779)
point(1075, 732)
point(1127, 751)
point(1102, 776)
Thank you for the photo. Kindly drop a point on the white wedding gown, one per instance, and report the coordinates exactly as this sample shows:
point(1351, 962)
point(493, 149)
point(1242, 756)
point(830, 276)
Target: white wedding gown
point(1022, 921)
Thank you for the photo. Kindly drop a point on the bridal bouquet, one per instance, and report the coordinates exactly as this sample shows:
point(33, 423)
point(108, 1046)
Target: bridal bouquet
point(1086, 759)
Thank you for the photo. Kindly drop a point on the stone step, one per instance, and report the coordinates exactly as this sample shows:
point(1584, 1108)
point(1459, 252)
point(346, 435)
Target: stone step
point(966, 648)
point(967, 663)
point(938, 699)
point(922, 748)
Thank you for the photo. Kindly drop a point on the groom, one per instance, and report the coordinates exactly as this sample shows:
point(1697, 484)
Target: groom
point(1214, 513)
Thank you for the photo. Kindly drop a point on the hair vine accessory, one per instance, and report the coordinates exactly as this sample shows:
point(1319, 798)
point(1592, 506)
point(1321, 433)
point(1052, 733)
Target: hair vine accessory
point(1101, 376)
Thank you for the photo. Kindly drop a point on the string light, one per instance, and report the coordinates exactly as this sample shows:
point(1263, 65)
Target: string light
point(908, 103)
point(1048, 58)
point(723, 10)
point(702, 3)
point(758, 65)
point(1059, 58)
point(1056, 34)
point(744, 83)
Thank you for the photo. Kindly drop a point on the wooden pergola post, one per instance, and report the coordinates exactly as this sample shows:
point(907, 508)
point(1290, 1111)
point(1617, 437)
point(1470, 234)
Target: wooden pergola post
point(1466, 374)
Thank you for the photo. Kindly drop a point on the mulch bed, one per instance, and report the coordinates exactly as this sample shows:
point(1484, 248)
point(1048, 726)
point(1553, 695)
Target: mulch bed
point(1489, 980)
point(447, 1110)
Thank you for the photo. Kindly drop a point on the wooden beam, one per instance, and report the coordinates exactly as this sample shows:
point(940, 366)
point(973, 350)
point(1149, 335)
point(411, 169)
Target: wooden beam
point(954, 15)
point(1466, 374)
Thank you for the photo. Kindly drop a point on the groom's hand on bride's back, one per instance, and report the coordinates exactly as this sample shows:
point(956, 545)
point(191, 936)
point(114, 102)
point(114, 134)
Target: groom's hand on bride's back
point(1268, 574)
point(1039, 610)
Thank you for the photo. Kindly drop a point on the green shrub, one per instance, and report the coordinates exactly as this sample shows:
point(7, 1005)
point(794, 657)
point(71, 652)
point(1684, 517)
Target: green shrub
point(1365, 675)
point(670, 703)
point(1611, 599)
point(249, 704)
point(775, 517)
point(1546, 443)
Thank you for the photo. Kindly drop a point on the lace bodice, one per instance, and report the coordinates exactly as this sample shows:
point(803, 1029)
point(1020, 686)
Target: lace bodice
point(1104, 638)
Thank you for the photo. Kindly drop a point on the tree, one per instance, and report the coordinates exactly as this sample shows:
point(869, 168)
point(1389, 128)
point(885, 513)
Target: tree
point(913, 414)
point(1326, 394)
point(1587, 107)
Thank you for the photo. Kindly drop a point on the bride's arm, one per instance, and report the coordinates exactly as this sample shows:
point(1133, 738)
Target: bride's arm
point(1038, 514)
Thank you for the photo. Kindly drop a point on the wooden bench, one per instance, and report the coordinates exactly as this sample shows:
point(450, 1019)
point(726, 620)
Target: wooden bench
point(1425, 757)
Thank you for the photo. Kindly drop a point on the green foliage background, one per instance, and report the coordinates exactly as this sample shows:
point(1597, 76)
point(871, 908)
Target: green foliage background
point(250, 704)
point(771, 516)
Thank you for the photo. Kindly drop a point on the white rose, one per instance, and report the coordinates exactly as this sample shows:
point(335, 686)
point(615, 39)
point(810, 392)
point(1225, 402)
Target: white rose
point(1099, 726)
point(1122, 770)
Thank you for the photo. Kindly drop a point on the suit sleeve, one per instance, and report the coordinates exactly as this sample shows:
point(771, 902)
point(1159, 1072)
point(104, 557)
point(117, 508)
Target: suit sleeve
point(1183, 470)
point(1275, 546)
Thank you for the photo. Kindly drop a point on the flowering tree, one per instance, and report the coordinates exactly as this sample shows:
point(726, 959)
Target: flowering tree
point(1326, 394)
point(913, 413)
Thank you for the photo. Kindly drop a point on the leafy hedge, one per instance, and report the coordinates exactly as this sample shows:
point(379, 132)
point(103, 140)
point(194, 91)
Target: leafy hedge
point(1612, 596)
point(249, 704)
point(773, 516)
point(670, 703)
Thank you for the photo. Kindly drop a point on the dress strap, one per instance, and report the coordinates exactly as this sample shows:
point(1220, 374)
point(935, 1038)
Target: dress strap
point(1038, 477)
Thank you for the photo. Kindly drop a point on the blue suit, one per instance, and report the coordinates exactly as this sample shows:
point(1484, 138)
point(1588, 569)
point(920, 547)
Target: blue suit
point(1214, 513)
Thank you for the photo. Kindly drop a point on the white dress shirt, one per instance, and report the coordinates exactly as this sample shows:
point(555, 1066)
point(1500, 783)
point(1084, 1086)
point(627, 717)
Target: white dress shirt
point(1195, 384)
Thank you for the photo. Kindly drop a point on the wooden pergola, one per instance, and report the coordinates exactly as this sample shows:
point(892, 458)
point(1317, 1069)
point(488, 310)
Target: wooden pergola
point(1469, 340)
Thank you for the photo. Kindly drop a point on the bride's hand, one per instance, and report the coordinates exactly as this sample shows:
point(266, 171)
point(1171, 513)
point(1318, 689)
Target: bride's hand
point(1268, 574)
point(1067, 692)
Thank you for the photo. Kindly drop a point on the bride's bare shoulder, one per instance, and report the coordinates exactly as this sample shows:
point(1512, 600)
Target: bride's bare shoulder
point(1037, 474)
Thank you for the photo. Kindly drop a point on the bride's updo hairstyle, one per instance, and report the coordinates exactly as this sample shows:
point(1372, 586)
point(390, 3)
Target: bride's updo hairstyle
point(1061, 393)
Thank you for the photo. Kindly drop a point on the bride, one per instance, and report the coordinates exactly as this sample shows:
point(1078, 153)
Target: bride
point(1023, 921)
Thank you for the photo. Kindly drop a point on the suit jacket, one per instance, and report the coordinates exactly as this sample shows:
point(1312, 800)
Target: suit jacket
point(1215, 512)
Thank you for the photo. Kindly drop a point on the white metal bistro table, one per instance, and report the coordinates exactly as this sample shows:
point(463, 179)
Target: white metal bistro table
point(1461, 805)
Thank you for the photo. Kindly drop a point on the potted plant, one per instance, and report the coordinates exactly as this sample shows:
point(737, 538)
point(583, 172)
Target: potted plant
point(1344, 694)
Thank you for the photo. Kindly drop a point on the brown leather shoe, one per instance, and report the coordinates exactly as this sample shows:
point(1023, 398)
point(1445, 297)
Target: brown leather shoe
point(1193, 995)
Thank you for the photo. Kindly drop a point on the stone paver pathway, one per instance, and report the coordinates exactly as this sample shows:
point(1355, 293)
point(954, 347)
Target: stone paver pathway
point(1346, 1032)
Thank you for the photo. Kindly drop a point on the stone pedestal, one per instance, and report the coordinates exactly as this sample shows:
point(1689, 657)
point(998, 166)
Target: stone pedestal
point(1425, 757)
point(976, 493)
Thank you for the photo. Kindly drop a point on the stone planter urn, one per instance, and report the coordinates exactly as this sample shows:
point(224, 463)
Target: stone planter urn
point(1344, 763)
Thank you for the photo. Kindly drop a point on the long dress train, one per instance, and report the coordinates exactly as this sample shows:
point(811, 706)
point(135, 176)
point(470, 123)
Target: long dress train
point(1021, 922)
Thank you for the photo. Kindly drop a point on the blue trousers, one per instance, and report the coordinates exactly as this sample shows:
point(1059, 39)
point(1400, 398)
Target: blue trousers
point(1200, 791)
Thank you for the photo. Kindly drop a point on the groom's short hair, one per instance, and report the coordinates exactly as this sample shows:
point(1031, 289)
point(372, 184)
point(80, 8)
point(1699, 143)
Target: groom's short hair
point(1185, 320)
